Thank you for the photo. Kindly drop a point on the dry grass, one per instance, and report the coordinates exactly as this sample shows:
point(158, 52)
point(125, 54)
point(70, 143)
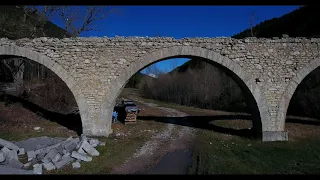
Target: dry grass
point(17, 123)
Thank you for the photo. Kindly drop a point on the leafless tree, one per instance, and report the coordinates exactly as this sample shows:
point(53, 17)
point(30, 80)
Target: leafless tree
point(252, 17)
point(82, 19)
point(207, 87)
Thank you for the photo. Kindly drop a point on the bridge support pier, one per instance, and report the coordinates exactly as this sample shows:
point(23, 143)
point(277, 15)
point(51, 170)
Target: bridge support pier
point(274, 136)
point(99, 124)
point(97, 132)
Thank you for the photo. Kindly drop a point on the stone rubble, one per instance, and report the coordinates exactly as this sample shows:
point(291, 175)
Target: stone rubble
point(46, 153)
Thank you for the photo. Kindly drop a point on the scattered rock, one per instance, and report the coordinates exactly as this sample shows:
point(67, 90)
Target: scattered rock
point(9, 170)
point(80, 156)
point(21, 151)
point(81, 151)
point(47, 153)
point(36, 128)
point(31, 155)
point(34, 144)
point(52, 153)
point(94, 142)
point(89, 149)
point(40, 156)
point(64, 161)
point(49, 166)
point(8, 145)
point(12, 155)
point(14, 163)
point(76, 165)
point(56, 158)
point(37, 169)
point(26, 165)
point(66, 155)
point(2, 156)
point(5, 151)
point(70, 146)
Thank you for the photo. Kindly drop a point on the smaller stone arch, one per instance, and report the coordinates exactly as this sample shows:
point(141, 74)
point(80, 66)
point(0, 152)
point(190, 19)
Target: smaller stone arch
point(13, 50)
point(247, 83)
point(291, 89)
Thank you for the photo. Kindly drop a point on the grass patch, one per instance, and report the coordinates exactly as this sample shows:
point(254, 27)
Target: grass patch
point(237, 155)
point(50, 129)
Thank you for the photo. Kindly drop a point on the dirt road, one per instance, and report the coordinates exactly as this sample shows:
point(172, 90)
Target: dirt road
point(173, 138)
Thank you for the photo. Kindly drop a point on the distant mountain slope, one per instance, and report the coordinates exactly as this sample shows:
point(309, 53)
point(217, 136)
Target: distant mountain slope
point(302, 22)
point(137, 80)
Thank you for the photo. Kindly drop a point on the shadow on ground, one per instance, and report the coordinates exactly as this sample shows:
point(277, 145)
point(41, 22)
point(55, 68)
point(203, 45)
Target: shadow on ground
point(73, 121)
point(70, 121)
point(208, 123)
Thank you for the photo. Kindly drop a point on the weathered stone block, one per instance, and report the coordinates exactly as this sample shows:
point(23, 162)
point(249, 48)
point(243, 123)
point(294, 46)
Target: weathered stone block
point(89, 149)
point(9, 145)
point(26, 165)
point(52, 153)
point(14, 163)
point(2, 156)
point(13, 171)
point(56, 158)
point(82, 157)
point(12, 155)
point(37, 169)
point(21, 151)
point(64, 161)
point(49, 166)
point(70, 146)
point(76, 165)
point(94, 142)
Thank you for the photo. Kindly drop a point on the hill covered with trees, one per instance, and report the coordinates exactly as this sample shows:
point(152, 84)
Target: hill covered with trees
point(301, 22)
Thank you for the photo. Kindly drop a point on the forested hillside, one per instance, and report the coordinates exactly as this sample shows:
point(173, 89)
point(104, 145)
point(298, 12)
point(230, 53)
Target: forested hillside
point(298, 23)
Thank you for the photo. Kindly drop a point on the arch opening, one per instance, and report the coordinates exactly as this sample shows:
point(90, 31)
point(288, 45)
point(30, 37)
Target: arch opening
point(248, 87)
point(40, 89)
point(302, 113)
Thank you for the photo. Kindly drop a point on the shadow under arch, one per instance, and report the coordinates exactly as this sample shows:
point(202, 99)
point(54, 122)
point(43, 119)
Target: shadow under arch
point(291, 89)
point(256, 100)
point(15, 51)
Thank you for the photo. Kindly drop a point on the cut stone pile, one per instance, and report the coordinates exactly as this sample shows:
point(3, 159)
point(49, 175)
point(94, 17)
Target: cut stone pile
point(47, 153)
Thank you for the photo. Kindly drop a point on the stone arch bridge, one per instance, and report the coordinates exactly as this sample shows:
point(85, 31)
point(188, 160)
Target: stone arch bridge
point(96, 69)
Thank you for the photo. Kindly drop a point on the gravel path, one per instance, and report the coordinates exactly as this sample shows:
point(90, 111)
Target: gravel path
point(173, 138)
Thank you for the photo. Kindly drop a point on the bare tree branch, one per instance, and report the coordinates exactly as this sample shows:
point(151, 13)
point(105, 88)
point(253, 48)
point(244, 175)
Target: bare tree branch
point(77, 22)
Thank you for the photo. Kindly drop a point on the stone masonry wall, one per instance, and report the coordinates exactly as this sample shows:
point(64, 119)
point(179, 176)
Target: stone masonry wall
point(95, 63)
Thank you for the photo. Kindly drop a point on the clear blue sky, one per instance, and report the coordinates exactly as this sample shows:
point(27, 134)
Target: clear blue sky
point(183, 21)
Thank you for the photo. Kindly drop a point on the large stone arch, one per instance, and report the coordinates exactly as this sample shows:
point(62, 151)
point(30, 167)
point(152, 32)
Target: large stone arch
point(291, 89)
point(246, 81)
point(13, 50)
